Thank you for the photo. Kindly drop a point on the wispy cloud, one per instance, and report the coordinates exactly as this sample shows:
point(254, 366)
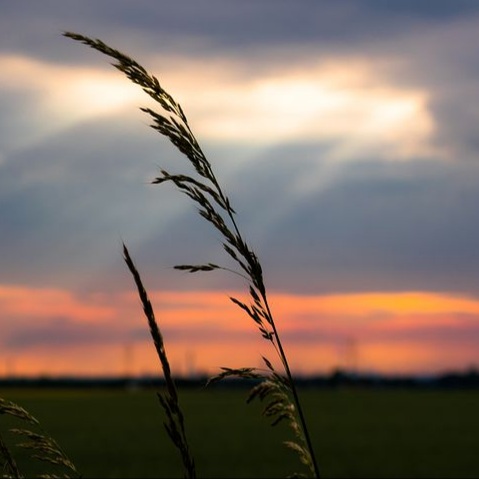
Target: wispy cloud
point(59, 96)
point(411, 326)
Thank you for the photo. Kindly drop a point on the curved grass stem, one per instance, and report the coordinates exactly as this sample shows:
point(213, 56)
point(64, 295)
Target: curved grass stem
point(214, 206)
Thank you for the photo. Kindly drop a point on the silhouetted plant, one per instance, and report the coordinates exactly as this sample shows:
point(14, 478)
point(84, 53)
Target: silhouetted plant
point(278, 389)
point(175, 426)
point(38, 442)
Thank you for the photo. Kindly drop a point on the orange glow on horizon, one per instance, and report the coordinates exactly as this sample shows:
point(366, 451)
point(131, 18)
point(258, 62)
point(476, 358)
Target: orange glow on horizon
point(107, 334)
point(48, 303)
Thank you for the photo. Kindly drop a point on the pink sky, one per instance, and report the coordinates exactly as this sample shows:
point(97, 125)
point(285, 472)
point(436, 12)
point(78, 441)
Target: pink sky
point(54, 332)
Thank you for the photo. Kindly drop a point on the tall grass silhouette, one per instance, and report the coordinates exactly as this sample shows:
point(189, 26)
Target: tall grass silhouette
point(175, 425)
point(40, 444)
point(276, 388)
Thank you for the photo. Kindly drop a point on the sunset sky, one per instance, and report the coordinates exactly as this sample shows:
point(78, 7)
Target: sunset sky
point(345, 133)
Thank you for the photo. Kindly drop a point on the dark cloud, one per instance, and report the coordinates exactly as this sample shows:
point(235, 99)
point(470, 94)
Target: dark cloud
point(373, 226)
point(63, 332)
point(433, 335)
point(407, 226)
point(215, 25)
point(441, 10)
point(66, 202)
point(379, 226)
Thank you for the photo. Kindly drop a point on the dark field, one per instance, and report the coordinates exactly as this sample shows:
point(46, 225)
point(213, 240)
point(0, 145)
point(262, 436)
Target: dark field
point(357, 432)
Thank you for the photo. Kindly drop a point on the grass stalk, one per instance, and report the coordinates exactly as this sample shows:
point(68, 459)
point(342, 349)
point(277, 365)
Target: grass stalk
point(215, 207)
point(175, 426)
point(41, 446)
point(10, 465)
point(297, 402)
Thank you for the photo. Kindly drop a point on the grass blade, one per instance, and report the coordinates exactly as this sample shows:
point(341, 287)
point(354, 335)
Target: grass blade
point(175, 426)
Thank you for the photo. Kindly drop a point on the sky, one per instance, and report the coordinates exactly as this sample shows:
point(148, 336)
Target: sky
point(345, 134)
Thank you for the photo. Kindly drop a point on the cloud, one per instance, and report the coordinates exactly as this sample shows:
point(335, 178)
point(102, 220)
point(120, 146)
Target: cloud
point(273, 29)
point(44, 303)
point(344, 133)
point(51, 323)
point(364, 227)
point(317, 224)
point(59, 96)
point(343, 102)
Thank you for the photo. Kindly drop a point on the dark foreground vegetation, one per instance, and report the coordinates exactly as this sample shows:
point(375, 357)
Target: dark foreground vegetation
point(461, 380)
point(361, 431)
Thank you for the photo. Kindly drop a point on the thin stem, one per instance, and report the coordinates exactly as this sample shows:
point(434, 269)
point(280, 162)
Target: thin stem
point(284, 360)
point(170, 401)
point(9, 460)
point(174, 125)
point(294, 391)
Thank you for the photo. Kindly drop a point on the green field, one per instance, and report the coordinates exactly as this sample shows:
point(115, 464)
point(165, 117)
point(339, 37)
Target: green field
point(357, 433)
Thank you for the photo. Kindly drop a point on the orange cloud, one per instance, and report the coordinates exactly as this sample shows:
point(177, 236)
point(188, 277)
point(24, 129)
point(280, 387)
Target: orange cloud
point(107, 334)
point(34, 303)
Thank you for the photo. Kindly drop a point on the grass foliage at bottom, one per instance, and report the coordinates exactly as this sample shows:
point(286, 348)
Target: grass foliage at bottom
point(360, 433)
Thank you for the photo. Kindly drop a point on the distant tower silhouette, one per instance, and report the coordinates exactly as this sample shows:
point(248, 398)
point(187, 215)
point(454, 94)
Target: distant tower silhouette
point(348, 354)
point(351, 355)
point(128, 354)
point(9, 367)
point(190, 361)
